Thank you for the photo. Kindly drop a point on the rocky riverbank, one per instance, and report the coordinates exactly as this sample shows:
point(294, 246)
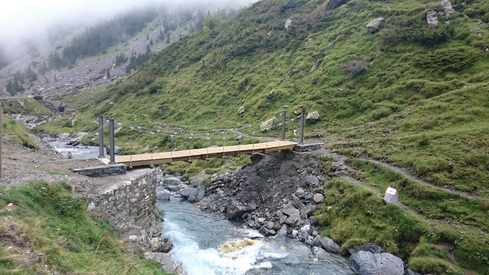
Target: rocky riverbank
point(277, 194)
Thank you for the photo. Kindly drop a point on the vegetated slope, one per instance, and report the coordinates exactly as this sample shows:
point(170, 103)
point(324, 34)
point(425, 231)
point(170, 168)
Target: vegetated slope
point(45, 230)
point(409, 94)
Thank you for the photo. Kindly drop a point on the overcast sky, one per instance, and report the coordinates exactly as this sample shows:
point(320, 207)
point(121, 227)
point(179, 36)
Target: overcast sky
point(30, 18)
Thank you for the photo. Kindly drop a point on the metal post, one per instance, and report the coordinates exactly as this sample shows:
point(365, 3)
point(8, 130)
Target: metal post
point(301, 134)
point(284, 117)
point(112, 141)
point(101, 148)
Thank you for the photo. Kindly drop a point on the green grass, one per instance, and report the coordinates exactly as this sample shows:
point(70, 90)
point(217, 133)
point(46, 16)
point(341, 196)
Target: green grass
point(421, 104)
point(18, 133)
point(446, 220)
point(25, 106)
point(47, 219)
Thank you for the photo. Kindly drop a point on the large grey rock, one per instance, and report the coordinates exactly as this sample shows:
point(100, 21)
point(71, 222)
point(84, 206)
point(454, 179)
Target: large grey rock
point(288, 23)
point(161, 245)
point(187, 192)
point(293, 216)
point(267, 125)
point(197, 194)
point(311, 180)
point(168, 264)
point(172, 181)
point(375, 25)
point(327, 244)
point(367, 263)
point(432, 18)
point(447, 7)
point(237, 209)
point(318, 198)
point(299, 192)
point(312, 117)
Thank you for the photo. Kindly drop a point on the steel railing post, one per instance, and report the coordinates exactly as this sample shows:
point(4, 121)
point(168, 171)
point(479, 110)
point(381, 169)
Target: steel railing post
point(112, 141)
point(101, 148)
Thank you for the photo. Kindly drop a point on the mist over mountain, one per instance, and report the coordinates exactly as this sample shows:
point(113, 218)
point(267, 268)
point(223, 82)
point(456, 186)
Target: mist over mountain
point(26, 25)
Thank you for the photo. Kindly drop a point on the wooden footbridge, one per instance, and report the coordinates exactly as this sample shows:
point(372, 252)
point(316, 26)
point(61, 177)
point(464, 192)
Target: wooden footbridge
point(204, 153)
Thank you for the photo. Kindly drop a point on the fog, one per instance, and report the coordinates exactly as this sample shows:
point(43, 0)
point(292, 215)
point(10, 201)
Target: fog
point(24, 24)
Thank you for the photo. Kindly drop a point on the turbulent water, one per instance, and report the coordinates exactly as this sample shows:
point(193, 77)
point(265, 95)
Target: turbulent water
point(76, 152)
point(196, 236)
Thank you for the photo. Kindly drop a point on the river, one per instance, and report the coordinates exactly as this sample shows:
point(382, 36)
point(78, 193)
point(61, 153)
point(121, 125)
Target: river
point(196, 236)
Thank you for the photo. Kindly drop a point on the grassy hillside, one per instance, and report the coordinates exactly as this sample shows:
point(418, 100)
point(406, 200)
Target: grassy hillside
point(410, 95)
point(421, 101)
point(45, 230)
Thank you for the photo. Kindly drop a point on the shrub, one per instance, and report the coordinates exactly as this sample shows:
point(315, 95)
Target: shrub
point(355, 67)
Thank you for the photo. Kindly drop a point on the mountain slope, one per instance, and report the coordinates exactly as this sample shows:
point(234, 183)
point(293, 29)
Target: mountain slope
point(408, 94)
point(418, 82)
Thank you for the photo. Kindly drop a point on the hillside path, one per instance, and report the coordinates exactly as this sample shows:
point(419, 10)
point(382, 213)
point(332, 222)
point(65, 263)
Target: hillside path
point(341, 159)
point(409, 176)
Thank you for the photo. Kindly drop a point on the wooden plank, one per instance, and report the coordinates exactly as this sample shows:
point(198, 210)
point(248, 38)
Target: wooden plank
point(204, 153)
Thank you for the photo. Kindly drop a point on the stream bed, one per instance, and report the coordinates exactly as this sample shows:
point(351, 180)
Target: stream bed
point(196, 236)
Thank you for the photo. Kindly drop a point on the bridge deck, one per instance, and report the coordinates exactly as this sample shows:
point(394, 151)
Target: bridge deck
point(204, 153)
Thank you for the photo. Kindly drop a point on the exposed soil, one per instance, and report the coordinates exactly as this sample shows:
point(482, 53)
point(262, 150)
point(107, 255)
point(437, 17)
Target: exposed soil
point(21, 165)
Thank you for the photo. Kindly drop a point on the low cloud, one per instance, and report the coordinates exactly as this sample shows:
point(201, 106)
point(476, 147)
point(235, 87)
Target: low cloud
point(22, 21)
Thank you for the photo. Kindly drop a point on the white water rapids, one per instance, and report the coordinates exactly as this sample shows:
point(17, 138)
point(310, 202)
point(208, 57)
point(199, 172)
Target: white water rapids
point(196, 236)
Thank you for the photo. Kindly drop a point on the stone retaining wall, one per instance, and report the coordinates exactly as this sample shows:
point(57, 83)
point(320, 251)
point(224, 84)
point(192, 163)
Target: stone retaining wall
point(130, 206)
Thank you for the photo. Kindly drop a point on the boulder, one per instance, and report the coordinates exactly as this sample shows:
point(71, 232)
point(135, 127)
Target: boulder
point(327, 244)
point(267, 125)
point(293, 216)
point(311, 180)
point(237, 209)
point(188, 192)
point(312, 117)
point(172, 181)
point(367, 263)
point(288, 23)
point(197, 194)
point(161, 245)
point(299, 192)
point(168, 264)
point(375, 25)
point(370, 259)
point(318, 198)
point(432, 18)
point(447, 7)
point(241, 110)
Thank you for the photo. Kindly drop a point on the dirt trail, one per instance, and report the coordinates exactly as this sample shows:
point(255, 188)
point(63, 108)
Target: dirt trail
point(341, 159)
point(409, 176)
